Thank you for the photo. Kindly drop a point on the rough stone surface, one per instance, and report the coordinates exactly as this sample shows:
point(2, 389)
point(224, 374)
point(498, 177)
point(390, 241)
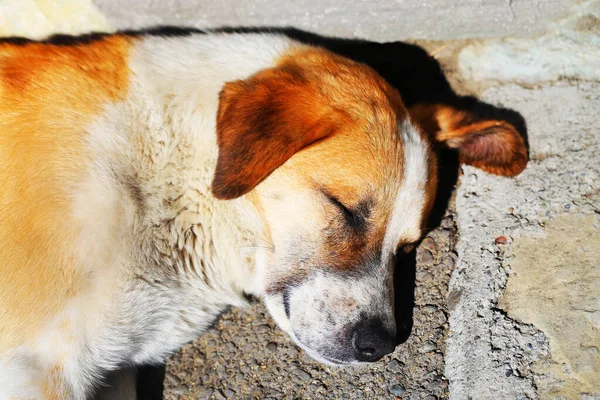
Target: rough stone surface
point(555, 285)
point(572, 51)
point(491, 355)
point(235, 355)
point(39, 18)
point(385, 20)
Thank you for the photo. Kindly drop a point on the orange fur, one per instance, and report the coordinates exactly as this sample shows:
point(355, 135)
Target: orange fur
point(494, 146)
point(264, 120)
point(49, 94)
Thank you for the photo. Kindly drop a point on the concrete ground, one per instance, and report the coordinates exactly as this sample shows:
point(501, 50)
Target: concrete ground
point(507, 289)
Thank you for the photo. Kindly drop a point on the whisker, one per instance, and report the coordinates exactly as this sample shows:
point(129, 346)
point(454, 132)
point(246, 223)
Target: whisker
point(255, 247)
point(263, 239)
point(278, 198)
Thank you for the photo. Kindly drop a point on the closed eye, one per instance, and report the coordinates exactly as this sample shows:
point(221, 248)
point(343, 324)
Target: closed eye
point(352, 219)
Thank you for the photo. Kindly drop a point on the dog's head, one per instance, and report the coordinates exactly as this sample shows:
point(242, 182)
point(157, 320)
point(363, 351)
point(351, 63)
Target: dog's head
point(344, 181)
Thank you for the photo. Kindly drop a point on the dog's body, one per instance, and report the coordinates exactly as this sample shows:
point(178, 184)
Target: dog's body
point(116, 246)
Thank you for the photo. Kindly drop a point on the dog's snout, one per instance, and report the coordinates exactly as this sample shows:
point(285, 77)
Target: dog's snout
point(371, 340)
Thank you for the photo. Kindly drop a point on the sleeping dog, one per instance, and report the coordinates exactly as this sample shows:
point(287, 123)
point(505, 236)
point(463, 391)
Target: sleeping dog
point(151, 181)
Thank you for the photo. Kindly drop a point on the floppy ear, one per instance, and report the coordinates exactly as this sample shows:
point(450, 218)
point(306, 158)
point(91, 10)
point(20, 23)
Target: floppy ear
point(492, 145)
point(261, 123)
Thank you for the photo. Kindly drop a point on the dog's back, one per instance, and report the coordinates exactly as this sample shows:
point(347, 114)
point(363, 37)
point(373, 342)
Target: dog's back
point(49, 95)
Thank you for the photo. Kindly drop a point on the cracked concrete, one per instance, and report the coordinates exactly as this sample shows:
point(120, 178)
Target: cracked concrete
point(570, 50)
point(382, 20)
point(561, 180)
point(539, 339)
point(558, 272)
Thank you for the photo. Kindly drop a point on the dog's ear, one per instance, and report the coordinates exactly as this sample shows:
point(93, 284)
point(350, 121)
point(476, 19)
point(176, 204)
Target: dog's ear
point(492, 145)
point(263, 121)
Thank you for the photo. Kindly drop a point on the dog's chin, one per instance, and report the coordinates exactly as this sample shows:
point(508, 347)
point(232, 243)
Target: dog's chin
point(285, 324)
point(332, 362)
point(322, 358)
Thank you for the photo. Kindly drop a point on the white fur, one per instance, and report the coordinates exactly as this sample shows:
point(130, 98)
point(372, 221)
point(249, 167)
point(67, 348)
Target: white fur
point(405, 224)
point(18, 375)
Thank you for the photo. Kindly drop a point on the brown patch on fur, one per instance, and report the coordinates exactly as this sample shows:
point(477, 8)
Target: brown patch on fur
point(494, 146)
point(48, 96)
point(264, 120)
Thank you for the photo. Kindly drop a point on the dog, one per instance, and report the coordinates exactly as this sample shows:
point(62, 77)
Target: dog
point(150, 180)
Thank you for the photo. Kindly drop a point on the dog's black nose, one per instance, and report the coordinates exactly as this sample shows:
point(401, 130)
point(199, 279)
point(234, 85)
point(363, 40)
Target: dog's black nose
point(371, 340)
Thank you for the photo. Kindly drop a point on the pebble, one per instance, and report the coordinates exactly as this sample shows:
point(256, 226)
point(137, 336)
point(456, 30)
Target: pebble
point(203, 393)
point(181, 390)
point(427, 256)
point(428, 346)
point(263, 328)
point(443, 239)
point(173, 379)
point(501, 240)
point(428, 243)
point(229, 393)
point(219, 395)
point(449, 263)
point(272, 346)
point(397, 390)
point(447, 223)
point(292, 351)
point(303, 375)
point(314, 388)
point(395, 366)
point(430, 308)
point(423, 276)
